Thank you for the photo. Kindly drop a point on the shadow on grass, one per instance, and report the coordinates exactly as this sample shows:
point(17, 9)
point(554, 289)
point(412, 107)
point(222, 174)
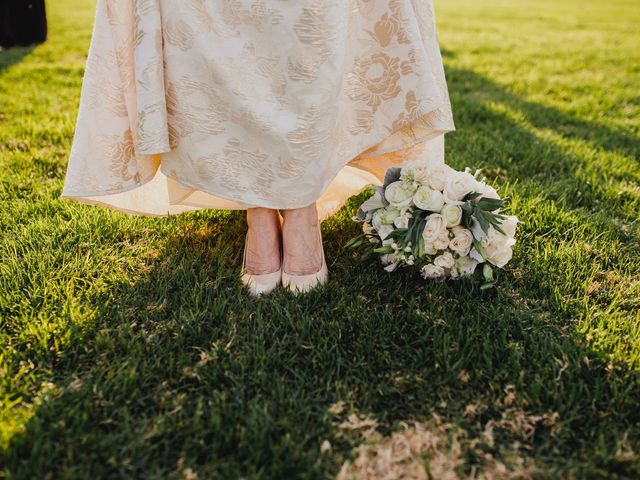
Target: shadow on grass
point(13, 55)
point(466, 83)
point(508, 151)
point(184, 369)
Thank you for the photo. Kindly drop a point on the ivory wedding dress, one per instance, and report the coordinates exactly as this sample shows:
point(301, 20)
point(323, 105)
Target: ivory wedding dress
point(230, 104)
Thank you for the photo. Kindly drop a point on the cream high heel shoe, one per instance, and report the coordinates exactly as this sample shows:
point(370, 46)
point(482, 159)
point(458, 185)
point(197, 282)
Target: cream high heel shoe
point(304, 283)
point(259, 284)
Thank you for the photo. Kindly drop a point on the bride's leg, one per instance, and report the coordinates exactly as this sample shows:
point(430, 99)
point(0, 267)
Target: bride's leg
point(301, 241)
point(263, 241)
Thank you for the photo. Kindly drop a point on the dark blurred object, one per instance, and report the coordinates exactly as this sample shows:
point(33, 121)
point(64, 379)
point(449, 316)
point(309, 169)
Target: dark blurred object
point(22, 22)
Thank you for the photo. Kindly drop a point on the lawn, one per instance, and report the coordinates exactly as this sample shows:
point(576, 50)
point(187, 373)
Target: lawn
point(130, 350)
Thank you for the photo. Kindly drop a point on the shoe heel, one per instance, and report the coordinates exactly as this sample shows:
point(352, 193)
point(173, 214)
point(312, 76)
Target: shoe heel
point(304, 283)
point(259, 284)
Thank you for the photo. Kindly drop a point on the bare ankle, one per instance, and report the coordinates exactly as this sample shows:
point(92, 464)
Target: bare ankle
point(262, 216)
point(263, 237)
point(302, 246)
point(308, 214)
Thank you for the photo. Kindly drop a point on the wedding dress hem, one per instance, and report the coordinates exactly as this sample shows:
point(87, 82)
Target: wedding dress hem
point(357, 178)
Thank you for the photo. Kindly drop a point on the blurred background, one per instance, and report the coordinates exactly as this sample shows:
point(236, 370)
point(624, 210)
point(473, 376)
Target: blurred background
point(22, 22)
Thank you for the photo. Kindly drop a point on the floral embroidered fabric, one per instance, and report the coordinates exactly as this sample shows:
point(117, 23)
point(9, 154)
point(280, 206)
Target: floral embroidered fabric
point(238, 103)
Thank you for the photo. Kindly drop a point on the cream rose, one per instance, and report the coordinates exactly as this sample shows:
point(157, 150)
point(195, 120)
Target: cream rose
point(498, 255)
point(488, 191)
point(462, 240)
point(433, 228)
point(442, 241)
point(428, 199)
point(399, 193)
point(437, 176)
point(509, 225)
point(429, 249)
point(431, 271)
point(445, 260)
point(497, 248)
point(452, 214)
point(457, 185)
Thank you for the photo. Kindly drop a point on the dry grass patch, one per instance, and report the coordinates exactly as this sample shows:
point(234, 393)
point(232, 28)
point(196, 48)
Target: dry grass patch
point(433, 448)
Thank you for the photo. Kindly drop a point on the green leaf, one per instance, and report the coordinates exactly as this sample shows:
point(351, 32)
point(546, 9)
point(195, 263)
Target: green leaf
point(490, 204)
point(479, 248)
point(487, 285)
point(467, 207)
point(472, 196)
point(484, 223)
point(419, 250)
point(355, 241)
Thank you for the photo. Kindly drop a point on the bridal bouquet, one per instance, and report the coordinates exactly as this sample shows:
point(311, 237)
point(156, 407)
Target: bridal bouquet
point(444, 222)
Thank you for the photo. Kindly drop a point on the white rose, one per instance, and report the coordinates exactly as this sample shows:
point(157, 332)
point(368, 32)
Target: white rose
point(415, 173)
point(431, 271)
point(402, 221)
point(399, 194)
point(465, 266)
point(376, 218)
point(452, 214)
point(457, 185)
point(433, 228)
point(384, 231)
point(445, 260)
point(462, 240)
point(442, 241)
point(428, 199)
point(429, 249)
point(384, 216)
point(389, 214)
point(437, 175)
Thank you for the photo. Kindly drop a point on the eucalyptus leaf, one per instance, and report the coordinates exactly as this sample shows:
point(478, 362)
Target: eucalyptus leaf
point(380, 190)
point(361, 215)
point(392, 175)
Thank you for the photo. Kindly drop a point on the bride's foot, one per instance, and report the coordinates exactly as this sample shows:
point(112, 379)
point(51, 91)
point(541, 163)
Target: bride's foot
point(303, 265)
point(262, 255)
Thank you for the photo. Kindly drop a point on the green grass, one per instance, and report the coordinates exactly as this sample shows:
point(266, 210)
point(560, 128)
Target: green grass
point(129, 348)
